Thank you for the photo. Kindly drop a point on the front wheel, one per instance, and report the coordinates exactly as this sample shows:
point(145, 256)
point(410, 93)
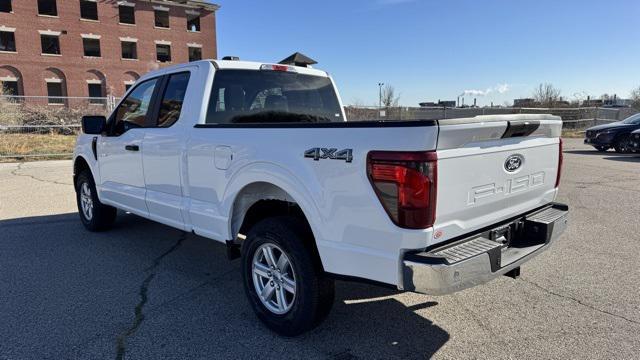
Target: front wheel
point(623, 145)
point(602, 148)
point(282, 277)
point(95, 216)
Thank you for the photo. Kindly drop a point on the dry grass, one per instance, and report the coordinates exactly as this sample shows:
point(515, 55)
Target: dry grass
point(19, 145)
point(573, 133)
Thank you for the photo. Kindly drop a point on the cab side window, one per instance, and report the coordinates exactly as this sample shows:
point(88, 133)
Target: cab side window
point(132, 111)
point(172, 99)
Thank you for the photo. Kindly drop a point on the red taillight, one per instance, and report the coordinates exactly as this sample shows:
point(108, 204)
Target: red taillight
point(406, 184)
point(560, 158)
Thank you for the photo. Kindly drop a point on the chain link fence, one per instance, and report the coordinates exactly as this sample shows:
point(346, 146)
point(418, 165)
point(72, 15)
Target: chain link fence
point(573, 118)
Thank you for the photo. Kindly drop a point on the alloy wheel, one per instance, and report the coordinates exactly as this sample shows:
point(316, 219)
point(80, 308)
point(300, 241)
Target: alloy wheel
point(273, 278)
point(86, 201)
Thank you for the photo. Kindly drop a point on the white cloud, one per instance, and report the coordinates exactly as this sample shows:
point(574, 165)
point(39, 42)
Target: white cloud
point(499, 88)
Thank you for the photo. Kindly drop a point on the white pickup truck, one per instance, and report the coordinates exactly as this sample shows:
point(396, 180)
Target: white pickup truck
point(260, 157)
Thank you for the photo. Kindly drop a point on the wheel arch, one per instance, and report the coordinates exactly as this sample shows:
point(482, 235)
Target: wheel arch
point(80, 164)
point(259, 200)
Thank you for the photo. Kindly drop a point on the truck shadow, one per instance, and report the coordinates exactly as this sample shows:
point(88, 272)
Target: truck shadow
point(192, 294)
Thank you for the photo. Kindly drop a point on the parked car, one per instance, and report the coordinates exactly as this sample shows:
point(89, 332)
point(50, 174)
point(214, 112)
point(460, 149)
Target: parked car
point(261, 158)
point(616, 135)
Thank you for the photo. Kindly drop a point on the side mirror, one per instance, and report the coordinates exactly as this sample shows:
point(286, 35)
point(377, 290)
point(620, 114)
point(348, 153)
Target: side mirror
point(94, 124)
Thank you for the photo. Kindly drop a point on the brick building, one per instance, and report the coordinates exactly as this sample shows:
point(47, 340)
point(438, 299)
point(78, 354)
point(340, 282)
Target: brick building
point(97, 47)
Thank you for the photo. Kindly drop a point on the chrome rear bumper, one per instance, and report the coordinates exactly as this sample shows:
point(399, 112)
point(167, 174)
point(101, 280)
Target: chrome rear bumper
point(482, 257)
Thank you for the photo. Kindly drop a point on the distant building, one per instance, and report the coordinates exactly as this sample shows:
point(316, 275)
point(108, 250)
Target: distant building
point(617, 102)
point(440, 103)
point(95, 48)
point(592, 103)
point(524, 102)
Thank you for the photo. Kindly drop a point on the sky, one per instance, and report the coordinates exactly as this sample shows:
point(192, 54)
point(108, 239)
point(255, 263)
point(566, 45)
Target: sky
point(494, 50)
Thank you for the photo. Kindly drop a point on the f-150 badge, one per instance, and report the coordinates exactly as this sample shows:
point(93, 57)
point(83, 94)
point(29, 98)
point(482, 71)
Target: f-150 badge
point(329, 153)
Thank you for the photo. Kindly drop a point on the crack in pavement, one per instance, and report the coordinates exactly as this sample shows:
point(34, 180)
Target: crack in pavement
point(194, 289)
point(121, 339)
point(14, 172)
point(580, 302)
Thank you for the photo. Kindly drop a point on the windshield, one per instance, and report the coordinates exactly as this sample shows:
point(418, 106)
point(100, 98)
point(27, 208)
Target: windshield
point(267, 96)
point(633, 119)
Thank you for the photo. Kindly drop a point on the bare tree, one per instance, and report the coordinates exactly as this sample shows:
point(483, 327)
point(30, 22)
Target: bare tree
point(389, 96)
point(546, 95)
point(635, 98)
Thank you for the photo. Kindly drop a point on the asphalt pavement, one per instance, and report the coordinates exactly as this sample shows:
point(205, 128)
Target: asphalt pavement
point(146, 291)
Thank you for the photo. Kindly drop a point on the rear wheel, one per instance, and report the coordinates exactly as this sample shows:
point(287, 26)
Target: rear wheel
point(623, 144)
point(95, 216)
point(282, 277)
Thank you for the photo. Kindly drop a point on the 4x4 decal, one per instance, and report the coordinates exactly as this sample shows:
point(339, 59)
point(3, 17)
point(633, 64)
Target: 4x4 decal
point(329, 153)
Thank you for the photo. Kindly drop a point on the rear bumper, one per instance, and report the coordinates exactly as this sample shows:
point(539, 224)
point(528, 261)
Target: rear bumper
point(482, 257)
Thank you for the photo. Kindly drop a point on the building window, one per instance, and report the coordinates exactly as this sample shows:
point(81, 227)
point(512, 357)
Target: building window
point(163, 52)
point(127, 14)
point(5, 6)
point(50, 44)
point(91, 47)
point(129, 50)
point(195, 53)
point(127, 86)
point(95, 93)
point(7, 41)
point(10, 87)
point(54, 92)
point(193, 22)
point(89, 9)
point(47, 7)
point(162, 18)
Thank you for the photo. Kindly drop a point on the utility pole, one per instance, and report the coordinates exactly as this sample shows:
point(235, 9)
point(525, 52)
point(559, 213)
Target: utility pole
point(380, 98)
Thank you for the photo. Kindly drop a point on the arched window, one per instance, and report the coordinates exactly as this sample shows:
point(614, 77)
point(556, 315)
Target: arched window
point(96, 87)
point(11, 81)
point(56, 85)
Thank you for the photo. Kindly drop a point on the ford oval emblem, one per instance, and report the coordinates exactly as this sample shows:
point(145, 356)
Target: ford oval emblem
point(513, 163)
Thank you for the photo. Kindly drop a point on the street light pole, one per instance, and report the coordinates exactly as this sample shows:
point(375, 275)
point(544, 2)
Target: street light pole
point(380, 98)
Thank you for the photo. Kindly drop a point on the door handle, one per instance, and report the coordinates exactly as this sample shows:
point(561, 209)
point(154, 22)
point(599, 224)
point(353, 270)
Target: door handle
point(132, 147)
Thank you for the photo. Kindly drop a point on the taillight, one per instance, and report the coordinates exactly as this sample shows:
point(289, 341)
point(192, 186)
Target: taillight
point(406, 184)
point(560, 158)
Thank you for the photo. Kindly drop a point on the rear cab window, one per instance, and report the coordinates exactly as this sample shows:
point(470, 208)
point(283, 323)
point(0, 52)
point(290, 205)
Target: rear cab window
point(172, 99)
point(268, 96)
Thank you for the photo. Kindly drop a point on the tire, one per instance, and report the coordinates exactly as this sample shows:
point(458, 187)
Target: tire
point(602, 148)
point(623, 144)
point(94, 215)
point(289, 310)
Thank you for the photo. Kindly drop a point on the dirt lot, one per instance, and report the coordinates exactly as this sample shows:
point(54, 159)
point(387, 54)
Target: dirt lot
point(144, 290)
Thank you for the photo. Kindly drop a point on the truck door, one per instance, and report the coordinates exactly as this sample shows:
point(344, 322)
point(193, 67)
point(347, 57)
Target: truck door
point(120, 152)
point(162, 153)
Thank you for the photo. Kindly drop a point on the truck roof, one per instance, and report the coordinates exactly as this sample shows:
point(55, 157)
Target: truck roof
point(232, 64)
point(254, 65)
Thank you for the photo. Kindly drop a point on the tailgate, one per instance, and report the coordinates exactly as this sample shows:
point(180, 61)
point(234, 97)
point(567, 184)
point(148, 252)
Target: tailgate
point(491, 168)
